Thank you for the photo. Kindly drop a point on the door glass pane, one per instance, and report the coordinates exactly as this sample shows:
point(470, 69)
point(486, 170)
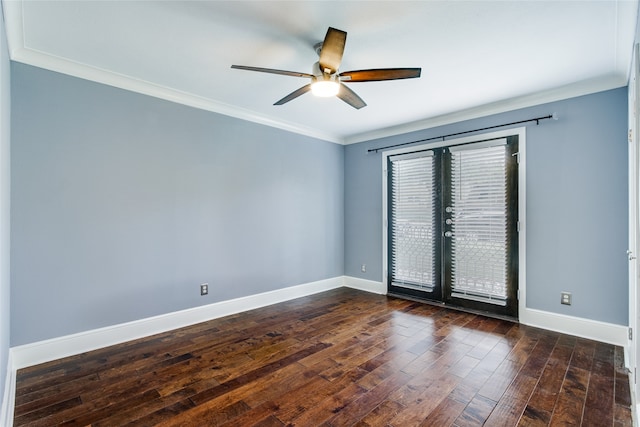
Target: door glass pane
point(479, 228)
point(412, 222)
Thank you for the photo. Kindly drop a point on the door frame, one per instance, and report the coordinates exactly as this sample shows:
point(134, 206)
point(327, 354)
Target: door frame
point(633, 344)
point(521, 133)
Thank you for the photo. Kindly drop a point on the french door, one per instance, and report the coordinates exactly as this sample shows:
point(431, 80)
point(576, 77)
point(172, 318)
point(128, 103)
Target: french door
point(453, 231)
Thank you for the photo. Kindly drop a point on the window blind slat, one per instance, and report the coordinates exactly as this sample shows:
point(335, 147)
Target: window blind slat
point(412, 223)
point(479, 239)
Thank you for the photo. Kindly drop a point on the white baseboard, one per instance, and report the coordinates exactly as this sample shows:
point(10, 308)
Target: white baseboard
point(365, 285)
point(57, 348)
point(9, 397)
point(632, 386)
point(584, 328)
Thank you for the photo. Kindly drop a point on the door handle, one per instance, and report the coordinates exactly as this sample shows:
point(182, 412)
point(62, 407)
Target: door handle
point(631, 255)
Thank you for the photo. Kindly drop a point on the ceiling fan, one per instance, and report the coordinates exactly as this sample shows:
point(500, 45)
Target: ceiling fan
point(327, 81)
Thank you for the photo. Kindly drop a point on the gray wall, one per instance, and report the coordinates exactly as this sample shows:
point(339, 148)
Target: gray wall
point(576, 204)
point(5, 176)
point(122, 204)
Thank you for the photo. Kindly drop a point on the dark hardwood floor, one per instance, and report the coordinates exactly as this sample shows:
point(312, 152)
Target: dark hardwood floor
point(340, 358)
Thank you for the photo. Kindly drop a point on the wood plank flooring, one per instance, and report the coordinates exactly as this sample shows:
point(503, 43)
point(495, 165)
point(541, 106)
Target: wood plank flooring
point(340, 358)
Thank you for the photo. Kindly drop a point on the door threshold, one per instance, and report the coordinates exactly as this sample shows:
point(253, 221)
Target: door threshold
point(455, 307)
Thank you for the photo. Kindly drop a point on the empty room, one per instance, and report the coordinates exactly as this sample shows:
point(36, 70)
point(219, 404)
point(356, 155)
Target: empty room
point(319, 213)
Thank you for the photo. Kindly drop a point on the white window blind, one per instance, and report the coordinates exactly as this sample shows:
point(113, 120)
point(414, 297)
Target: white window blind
point(412, 221)
point(479, 225)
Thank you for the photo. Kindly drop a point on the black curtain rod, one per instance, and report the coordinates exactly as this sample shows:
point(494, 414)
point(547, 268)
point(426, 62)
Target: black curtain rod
point(537, 120)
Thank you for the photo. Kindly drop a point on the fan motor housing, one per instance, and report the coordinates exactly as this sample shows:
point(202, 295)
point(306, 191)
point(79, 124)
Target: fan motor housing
point(320, 74)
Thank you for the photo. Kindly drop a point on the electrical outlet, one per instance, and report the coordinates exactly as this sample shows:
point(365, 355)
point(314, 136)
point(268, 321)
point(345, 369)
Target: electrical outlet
point(204, 289)
point(363, 268)
point(565, 298)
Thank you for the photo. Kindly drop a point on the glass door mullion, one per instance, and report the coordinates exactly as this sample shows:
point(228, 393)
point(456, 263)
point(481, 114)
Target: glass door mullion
point(446, 222)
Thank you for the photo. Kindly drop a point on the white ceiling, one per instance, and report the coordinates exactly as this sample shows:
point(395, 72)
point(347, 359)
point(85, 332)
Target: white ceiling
point(477, 57)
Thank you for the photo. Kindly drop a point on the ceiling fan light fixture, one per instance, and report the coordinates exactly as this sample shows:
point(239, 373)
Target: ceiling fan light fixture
point(327, 81)
point(325, 88)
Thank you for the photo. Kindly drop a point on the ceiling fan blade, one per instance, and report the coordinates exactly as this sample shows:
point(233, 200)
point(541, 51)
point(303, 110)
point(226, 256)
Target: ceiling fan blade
point(294, 94)
point(272, 71)
point(332, 50)
point(380, 74)
point(350, 97)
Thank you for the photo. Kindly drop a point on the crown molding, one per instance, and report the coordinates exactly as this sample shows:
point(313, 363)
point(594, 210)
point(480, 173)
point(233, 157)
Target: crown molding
point(83, 71)
point(569, 91)
point(18, 52)
point(13, 15)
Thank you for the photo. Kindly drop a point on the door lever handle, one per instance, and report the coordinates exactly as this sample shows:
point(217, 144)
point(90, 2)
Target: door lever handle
point(631, 255)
